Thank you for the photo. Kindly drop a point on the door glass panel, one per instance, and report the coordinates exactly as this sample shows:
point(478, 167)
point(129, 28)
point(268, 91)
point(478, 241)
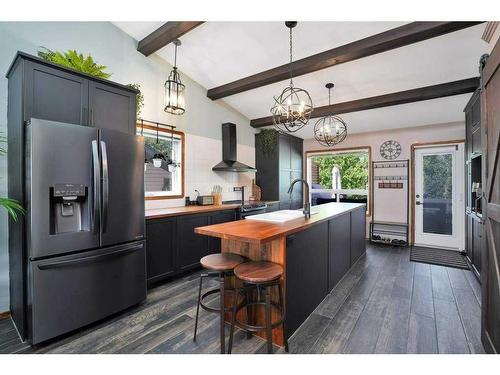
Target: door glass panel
point(437, 194)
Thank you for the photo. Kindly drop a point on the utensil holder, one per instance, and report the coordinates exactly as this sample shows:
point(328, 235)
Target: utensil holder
point(217, 199)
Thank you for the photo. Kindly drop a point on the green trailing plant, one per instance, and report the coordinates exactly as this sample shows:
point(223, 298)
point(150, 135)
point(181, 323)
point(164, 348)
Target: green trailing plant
point(268, 141)
point(139, 99)
point(74, 60)
point(12, 206)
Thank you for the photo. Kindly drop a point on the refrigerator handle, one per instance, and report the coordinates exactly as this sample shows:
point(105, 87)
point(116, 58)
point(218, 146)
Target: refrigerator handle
point(96, 184)
point(105, 186)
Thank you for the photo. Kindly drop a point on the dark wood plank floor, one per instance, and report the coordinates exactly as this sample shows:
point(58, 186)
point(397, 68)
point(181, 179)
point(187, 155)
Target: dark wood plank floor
point(385, 304)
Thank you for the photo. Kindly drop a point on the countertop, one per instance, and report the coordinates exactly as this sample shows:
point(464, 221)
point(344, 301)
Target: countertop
point(189, 210)
point(259, 232)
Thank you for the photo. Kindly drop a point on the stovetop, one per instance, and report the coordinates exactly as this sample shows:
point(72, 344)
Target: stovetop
point(248, 205)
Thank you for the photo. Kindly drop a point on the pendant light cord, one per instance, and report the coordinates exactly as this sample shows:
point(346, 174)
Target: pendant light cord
point(291, 58)
point(175, 57)
point(329, 96)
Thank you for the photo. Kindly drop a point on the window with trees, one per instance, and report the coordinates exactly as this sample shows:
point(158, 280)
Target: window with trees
point(339, 176)
point(165, 178)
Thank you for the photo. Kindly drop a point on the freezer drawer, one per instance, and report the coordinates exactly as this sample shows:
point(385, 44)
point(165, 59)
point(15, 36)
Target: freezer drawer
point(72, 291)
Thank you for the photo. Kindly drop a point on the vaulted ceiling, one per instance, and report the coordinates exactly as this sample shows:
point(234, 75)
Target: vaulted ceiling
point(216, 53)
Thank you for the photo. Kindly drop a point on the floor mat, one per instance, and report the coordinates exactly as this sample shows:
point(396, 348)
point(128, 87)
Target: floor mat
point(440, 257)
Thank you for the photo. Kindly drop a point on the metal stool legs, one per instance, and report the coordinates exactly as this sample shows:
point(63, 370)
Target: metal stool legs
point(269, 323)
point(265, 291)
point(198, 307)
point(220, 310)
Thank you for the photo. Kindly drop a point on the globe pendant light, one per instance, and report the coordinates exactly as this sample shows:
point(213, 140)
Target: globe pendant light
point(293, 107)
point(174, 89)
point(330, 130)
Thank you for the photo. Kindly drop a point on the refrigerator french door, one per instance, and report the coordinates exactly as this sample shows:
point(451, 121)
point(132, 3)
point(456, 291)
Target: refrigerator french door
point(85, 189)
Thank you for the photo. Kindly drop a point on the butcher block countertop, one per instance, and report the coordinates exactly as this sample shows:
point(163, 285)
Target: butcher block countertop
point(187, 210)
point(259, 232)
point(159, 213)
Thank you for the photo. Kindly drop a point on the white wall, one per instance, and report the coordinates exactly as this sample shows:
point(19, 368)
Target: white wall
point(115, 49)
point(391, 205)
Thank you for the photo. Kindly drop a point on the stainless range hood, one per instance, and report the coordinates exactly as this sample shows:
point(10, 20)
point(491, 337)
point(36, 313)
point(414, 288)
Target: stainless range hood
point(229, 162)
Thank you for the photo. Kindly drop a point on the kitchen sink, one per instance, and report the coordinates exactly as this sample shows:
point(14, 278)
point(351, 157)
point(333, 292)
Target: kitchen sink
point(279, 217)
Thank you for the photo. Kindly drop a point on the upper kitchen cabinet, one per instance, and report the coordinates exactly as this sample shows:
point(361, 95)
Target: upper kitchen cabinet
point(278, 167)
point(52, 92)
point(111, 107)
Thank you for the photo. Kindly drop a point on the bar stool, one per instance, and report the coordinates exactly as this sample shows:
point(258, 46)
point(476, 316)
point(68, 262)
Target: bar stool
point(261, 276)
point(220, 266)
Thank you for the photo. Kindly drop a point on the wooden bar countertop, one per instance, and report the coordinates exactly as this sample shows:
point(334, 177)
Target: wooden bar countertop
point(259, 232)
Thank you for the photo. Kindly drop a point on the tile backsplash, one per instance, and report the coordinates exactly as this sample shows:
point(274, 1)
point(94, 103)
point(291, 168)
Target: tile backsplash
point(202, 154)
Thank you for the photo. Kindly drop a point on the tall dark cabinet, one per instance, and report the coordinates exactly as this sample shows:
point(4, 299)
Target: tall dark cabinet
point(277, 169)
point(38, 89)
point(474, 184)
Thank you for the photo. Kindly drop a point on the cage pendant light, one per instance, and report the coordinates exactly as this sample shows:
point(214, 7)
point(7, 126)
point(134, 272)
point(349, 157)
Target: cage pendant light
point(330, 130)
point(293, 107)
point(174, 89)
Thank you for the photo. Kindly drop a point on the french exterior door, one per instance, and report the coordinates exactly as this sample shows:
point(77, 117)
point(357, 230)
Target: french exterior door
point(439, 198)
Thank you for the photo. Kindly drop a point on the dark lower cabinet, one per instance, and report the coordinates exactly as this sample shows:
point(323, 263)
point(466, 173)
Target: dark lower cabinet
point(219, 218)
point(191, 247)
point(306, 274)
point(474, 243)
point(339, 252)
point(317, 259)
point(358, 234)
point(160, 248)
point(172, 247)
point(477, 243)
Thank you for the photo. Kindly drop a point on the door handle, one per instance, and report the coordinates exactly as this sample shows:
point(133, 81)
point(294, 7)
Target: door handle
point(96, 186)
point(418, 203)
point(105, 186)
point(65, 263)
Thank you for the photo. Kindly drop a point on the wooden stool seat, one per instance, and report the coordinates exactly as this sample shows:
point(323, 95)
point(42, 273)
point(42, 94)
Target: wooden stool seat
point(221, 262)
point(258, 271)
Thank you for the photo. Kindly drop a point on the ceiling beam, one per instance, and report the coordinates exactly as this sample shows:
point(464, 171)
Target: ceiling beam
point(164, 35)
point(398, 37)
point(442, 90)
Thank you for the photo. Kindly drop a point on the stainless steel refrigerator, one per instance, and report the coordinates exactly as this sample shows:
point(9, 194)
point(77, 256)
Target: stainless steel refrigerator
point(85, 217)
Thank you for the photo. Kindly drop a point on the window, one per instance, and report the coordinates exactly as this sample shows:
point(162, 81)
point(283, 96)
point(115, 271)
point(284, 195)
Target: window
point(166, 181)
point(339, 176)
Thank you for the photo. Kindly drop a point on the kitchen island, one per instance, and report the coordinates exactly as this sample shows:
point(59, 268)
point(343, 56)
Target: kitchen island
point(315, 253)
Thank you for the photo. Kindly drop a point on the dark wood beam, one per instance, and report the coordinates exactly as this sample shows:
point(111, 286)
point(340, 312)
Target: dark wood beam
point(400, 36)
point(442, 90)
point(164, 35)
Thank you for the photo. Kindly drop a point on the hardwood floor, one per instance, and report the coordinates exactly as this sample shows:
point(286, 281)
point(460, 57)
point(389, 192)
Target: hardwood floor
point(384, 304)
point(387, 304)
